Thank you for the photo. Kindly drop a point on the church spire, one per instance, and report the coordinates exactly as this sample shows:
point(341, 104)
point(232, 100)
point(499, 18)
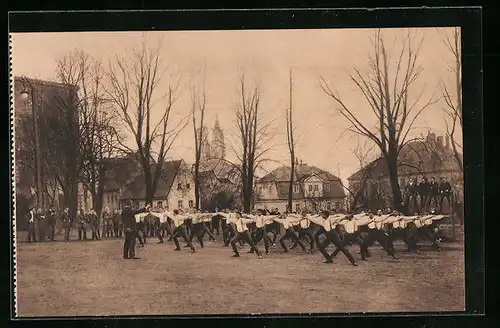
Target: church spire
point(217, 126)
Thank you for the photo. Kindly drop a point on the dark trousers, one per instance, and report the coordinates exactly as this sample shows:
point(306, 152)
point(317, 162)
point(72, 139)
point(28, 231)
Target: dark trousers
point(321, 231)
point(305, 233)
point(108, 231)
point(129, 244)
point(292, 235)
point(67, 230)
point(31, 233)
point(227, 234)
point(376, 235)
point(423, 201)
point(82, 232)
point(161, 232)
point(246, 237)
point(333, 237)
point(52, 228)
point(443, 197)
point(261, 233)
point(198, 232)
point(95, 233)
point(116, 229)
point(178, 232)
point(433, 201)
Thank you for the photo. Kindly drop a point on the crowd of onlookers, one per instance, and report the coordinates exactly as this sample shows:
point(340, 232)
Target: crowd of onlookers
point(434, 196)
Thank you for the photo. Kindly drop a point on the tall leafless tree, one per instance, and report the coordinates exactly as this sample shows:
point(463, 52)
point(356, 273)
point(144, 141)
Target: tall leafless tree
point(453, 108)
point(134, 87)
point(253, 138)
point(290, 133)
point(198, 108)
point(98, 136)
point(390, 98)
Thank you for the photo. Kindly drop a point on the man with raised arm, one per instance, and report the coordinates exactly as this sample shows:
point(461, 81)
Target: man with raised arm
point(242, 233)
point(261, 221)
point(199, 228)
point(289, 221)
point(376, 233)
point(333, 237)
point(130, 226)
point(178, 227)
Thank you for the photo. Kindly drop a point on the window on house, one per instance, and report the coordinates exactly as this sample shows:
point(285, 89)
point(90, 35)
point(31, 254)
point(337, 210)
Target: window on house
point(179, 186)
point(191, 204)
point(108, 199)
point(328, 206)
point(296, 188)
point(297, 208)
point(310, 188)
point(327, 187)
point(179, 203)
point(188, 186)
point(160, 204)
point(316, 187)
point(402, 182)
point(337, 205)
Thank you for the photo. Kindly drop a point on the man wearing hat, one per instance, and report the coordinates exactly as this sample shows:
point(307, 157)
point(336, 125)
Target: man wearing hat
point(129, 226)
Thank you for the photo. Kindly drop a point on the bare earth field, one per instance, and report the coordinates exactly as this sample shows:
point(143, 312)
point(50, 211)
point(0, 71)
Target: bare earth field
point(91, 278)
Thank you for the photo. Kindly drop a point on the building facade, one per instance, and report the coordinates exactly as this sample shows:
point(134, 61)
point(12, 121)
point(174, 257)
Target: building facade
point(45, 115)
point(314, 190)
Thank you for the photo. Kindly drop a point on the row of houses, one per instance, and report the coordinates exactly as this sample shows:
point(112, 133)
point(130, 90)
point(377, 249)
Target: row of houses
point(313, 188)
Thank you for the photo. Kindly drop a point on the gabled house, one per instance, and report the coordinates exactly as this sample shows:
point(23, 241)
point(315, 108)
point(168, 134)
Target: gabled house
point(313, 189)
point(175, 188)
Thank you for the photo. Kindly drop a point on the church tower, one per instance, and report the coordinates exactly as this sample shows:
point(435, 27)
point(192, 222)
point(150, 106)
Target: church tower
point(218, 148)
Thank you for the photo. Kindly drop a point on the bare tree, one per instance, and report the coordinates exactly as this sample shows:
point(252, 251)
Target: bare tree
point(198, 106)
point(98, 136)
point(290, 133)
point(134, 86)
point(453, 108)
point(253, 137)
point(389, 98)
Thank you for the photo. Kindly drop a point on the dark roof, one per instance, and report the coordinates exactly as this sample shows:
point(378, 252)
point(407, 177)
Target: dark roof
point(120, 171)
point(302, 172)
point(417, 157)
point(136, 189)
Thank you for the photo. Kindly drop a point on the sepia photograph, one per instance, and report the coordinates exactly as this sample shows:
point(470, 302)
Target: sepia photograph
point(224, 172)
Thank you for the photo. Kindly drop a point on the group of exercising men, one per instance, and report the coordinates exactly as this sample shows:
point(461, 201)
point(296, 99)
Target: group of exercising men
point(341, 230)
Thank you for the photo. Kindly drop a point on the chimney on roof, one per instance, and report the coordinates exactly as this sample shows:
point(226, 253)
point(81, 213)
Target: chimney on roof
point(447, 141)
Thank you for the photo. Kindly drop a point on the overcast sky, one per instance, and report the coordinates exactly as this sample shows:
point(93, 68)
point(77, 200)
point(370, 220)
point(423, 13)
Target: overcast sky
point(265, 57)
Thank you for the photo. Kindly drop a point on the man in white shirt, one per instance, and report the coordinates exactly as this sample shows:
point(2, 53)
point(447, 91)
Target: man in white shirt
point(179, 229)
point(32, 218)
point(375, 233)
point(199, 227)
point(242, 234)
point(289, 221)
point(261, 230)
point(304, 230)
point(333, 237)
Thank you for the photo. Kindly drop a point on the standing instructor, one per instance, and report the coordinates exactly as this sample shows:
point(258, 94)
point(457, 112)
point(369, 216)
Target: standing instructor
point(129, 226)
